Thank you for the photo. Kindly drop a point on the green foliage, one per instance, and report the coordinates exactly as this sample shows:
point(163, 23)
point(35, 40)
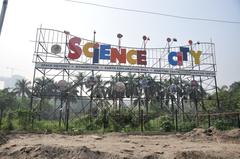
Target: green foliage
point(229, 98)
point(186, 126)
point(24, 118)
point(47, 126)
point(22, 88)
point(9, 122)
point(222, 124)
point(166, 124)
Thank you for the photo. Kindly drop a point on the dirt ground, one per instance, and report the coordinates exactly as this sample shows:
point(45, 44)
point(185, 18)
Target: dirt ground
point(197, 144)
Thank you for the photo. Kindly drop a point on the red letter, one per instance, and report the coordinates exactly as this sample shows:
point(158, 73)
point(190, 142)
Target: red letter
point(141, 57)
point(77, 51)
point(180, 58)
point(116, 55)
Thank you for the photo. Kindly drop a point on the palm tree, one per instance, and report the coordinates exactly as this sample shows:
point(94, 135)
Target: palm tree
point(22, 88)
point(150, 91)
point(131, 87)
point(98, 91)
point(44, 89)
point(196, 94)
point(110, 91)
point(80, 81)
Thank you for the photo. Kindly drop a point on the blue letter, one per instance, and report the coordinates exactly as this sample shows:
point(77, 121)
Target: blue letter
point(95, 55)
point(170, 58)
point(184, 50)
point(105, 52)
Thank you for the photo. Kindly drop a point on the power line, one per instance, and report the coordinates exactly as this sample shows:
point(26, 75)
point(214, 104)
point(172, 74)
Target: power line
point(156, 13)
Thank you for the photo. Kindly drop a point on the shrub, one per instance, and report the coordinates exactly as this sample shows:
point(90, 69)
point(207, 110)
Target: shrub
point(186, 126)
point(9, 122)
point(221, 124)
point(23, 117)
point(166, 124)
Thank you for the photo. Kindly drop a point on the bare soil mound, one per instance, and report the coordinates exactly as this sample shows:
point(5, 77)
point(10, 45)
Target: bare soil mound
point(50, 152)
point(123, 146)
point(211, 134)
point(197, 155)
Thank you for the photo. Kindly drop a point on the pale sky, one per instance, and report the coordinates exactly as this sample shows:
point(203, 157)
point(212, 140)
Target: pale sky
point(23, 17)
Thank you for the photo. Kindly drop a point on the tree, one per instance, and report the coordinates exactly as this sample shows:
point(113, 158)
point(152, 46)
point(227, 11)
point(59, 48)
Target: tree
point(98, 91)
point(234, 97)
point(110, 91)
point(44, 88)
point(150, 91)
point(22, 88)
point(7, 100)
point(80, 82)
point(131, 87)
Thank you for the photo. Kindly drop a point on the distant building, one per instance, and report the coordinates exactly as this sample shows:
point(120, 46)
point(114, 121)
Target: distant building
point(9, 82)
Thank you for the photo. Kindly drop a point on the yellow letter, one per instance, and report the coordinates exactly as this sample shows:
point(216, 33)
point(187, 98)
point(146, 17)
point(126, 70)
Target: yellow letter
point(196, 56)
point(129, 56)
point(86, 48)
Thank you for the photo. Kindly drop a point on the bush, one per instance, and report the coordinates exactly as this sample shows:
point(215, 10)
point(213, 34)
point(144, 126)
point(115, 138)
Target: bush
point(166, 124)
point(47, 126)
point(186, 126)
point(9, 121)
point(23, 117)
point(221, 124)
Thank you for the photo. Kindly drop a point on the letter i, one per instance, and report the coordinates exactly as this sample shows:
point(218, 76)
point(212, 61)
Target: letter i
point(180, 58)
point(96, 55)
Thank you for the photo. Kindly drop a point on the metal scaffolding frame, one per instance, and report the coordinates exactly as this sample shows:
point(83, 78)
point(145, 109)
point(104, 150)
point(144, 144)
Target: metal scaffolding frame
point(51, 67)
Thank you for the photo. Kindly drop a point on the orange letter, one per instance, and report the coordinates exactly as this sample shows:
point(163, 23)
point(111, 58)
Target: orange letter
point(116, 55)
point(86, 48)
point(130, 56)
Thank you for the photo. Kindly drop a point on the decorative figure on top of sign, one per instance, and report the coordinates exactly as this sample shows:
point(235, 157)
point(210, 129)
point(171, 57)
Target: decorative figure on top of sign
point(168, 40)
point(56, 49)
point(119, 35)
point(145, 40)
point(190, 42)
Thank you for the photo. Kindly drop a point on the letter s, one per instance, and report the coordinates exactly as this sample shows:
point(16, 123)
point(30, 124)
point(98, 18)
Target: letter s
point(77, 51)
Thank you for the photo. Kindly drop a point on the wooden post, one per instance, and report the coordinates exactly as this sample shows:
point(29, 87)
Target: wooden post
point(176, 120)
point(67, 112)
point(141, 120)
point(238, 118)
point(209, 120)
point(60, 111)
point(104, 120)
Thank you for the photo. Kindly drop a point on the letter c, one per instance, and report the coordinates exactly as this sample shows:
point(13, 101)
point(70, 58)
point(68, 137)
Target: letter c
point(86, 48)
point(170, 58)
point(130, 58)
